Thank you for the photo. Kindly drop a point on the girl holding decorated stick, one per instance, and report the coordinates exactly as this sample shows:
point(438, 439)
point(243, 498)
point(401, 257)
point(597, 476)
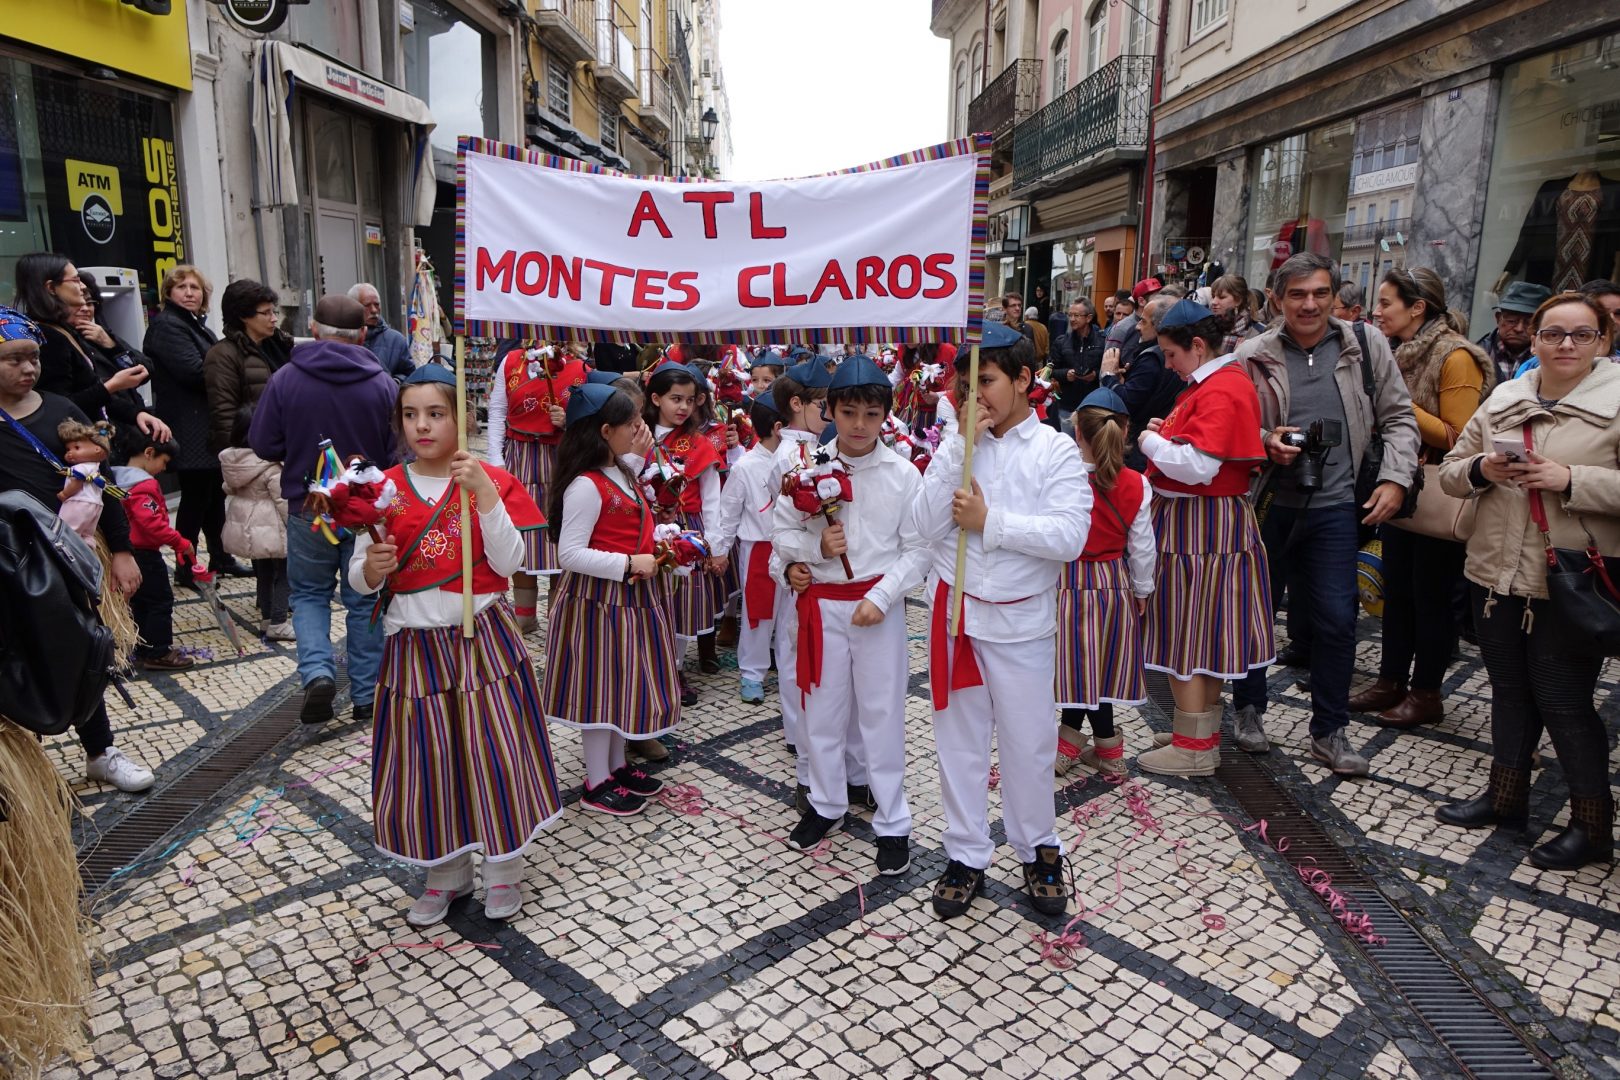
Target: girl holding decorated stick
point(611, 611)
point(460, 758)
point(671, 413)
point(1102, 594)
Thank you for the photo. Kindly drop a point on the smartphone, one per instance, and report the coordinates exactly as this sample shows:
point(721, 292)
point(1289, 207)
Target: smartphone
point(1512, 449)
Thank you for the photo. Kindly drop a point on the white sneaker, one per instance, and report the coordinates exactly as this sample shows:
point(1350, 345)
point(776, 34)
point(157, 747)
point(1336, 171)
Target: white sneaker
point(279, 631)
point(119, 771)
point(433, 905)
point(503, 901)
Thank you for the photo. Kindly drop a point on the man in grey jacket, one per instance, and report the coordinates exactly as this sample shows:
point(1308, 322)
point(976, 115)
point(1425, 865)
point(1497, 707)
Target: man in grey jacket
point(1308, 369)
point(388, 345)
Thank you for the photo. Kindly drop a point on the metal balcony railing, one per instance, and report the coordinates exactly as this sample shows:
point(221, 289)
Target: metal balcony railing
point(654, 106)
point(1009, 99)
point(1370, 232)
point(1107, 111)
point(615, 62)
point(568, 27)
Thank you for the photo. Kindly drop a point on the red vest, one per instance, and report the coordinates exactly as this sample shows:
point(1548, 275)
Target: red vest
point(430, 534)
point(1221, 417)
point(698, 452)
point(625, 524)
point(529, 401)
point(716, 434)
point(1110, 532)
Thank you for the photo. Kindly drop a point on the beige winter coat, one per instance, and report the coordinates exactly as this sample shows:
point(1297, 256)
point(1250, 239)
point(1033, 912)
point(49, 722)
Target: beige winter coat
point(1505, 554)
point(255, 512)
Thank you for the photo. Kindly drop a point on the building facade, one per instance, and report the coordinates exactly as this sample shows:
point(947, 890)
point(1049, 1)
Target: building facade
point(1482, 140)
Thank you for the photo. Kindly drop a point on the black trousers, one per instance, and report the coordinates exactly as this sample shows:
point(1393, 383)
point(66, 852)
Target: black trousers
point(1102, 720)
point(152, 605)
point(271, 577)
point(1420, 632)
point(202, 511)
point(1538, 681)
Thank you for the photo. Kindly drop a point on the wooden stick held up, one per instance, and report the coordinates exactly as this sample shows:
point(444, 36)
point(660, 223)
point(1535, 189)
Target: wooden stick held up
point(466, 509)
point(969, 427)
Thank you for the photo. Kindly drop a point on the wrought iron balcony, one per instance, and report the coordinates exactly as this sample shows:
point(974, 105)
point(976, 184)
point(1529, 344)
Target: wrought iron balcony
point(1371, 232)
point(568, 27)
point(1009, 99)
point(1098, 121)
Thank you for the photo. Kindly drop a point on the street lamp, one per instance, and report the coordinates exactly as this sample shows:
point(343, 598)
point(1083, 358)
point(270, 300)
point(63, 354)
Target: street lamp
point(710, 121)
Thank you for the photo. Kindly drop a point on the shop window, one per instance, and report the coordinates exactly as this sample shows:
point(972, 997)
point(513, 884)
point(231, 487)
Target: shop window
point(450, 64)
point(557, 88)
point(1299, 198)
point(1206, 16)
point(1552, 207)
point(1060, 64)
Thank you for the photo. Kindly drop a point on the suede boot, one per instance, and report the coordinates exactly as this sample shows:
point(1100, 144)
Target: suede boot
point(1194, 750)
point(1107, 756)
point(1071, 745)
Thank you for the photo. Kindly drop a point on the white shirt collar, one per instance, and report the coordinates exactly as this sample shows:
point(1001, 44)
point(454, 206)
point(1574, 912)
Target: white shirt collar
point(1025, 428)
point(1210, 367)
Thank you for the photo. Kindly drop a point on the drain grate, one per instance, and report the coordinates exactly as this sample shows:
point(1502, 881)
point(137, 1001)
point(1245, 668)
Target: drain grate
point(162, 813)
point(1479, 1038)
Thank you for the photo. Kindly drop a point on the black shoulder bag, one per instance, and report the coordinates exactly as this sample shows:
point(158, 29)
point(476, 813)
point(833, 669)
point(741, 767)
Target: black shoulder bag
point(1372, 462)
point(1581, 592)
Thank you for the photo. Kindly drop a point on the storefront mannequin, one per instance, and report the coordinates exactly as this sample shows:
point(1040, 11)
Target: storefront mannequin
point(1571, 233)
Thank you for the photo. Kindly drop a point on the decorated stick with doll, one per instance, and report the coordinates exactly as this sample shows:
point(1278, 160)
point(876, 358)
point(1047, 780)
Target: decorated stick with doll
point(819, 484)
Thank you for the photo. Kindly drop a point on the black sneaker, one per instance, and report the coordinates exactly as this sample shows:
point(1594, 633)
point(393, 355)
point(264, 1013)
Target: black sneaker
point(794, 750)
point(801, 798)
point(612, 797)
point(363, 712)
point(893, 855)
point(956, 888)
point(688, 695)
point(318, 695)
point(860, 797)
point(1043, 880)
point(812, 830)
point(640, 783)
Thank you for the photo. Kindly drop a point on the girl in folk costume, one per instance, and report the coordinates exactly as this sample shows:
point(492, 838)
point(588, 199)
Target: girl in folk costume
point(727, 443)
point(611, 610)
point(1210, 618)
point(460, 758)
point(1102, 594)
point(670, 412)
point(526, 403)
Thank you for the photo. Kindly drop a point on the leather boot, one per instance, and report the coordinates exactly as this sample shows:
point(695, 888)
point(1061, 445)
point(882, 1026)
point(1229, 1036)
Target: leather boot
point(1107, 756)
point(525, 601)
point(1381, 695)
point(1506, 802)
point(1071, 743)
point(1194, 750)
point(1419, 707)
point(725, 635)
point(1588, 838)
point(708, 656)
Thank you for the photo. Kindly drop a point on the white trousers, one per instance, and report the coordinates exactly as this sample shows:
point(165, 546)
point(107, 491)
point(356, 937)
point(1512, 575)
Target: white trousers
point(753, 644)
point(862, 692)
point(1015, 704)
point(787, 686)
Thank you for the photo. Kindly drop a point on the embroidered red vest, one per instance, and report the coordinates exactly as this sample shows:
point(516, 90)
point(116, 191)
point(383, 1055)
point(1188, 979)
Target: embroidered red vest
point(699, 454)
point(716, 434)
point(529, 401)
point(1110, 532)
point(1221, 417)
point(430, 534)
point(625, 524)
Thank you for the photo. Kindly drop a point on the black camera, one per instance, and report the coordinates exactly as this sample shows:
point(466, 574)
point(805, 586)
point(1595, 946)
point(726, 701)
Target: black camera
point(1313, 443)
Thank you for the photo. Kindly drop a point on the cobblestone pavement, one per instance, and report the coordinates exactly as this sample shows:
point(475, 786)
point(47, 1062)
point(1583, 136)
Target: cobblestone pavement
point(698, 944)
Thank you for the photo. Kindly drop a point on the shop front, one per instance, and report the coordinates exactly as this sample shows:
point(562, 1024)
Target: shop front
point(1086, 239)
point(88, 159)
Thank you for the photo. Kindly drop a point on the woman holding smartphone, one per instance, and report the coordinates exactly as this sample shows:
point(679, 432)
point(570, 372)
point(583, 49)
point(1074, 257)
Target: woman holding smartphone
point(1560, 421)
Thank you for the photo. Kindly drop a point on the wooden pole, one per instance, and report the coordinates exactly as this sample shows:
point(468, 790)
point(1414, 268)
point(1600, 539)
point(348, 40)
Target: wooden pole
point(967, 424)
point(466, 510)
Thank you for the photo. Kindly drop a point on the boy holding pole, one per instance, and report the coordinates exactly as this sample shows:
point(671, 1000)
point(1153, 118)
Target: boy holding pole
point(1000, 535)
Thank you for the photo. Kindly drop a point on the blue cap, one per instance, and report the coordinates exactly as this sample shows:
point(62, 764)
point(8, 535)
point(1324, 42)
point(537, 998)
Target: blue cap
point(586, 401)
point(996, 335)
point(602, 378)
point(798, 351)
point(698, 374)
point(1104, 398)
point(828, 434)
point(1185, 313)
point(431, 373)
point(812, 374)
point(858, 370)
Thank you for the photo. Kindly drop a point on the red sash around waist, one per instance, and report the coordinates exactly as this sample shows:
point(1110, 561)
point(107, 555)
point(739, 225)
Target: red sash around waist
point(759, 591)
point(810, 647)
point(953, 667)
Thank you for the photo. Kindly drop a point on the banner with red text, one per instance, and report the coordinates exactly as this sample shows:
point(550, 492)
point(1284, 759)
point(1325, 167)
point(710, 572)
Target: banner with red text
point(555, 249)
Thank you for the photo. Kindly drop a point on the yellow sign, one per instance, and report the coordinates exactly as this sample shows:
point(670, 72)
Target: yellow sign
point(110, 33)
point(85, 179)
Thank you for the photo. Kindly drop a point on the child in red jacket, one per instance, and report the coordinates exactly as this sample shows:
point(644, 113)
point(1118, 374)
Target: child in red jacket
point(149, 533)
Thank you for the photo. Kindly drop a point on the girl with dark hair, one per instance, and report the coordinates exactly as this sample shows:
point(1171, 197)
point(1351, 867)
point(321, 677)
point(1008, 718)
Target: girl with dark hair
point(1103, 593)
point(1210, 619)
point(671, 412)
point(610, 604)
point(454, 770)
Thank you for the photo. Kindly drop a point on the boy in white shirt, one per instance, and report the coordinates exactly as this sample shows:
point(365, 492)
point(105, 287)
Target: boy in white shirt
point(744, 516)
point(851, 656)
point(1026, 517)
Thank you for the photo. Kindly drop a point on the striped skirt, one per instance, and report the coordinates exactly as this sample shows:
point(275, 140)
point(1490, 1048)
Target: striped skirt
point(1099, 639)
point(696, 599)
point(534, 463)
point(611, 659)
point(456, 770)
point(1210, 613)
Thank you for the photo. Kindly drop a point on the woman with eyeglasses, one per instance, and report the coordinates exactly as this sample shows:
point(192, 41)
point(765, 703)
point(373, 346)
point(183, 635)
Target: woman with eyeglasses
point(1448, 376)
point(1562, 424)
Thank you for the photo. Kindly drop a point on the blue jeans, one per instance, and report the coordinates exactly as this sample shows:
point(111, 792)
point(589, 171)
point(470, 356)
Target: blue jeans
point(1320, 569)
point(314, 568)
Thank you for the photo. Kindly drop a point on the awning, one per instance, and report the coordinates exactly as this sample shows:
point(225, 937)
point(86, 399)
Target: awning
point(280, 68)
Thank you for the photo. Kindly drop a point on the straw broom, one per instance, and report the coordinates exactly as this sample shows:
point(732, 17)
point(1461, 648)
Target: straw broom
point(44, 932)
point(969, 426)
